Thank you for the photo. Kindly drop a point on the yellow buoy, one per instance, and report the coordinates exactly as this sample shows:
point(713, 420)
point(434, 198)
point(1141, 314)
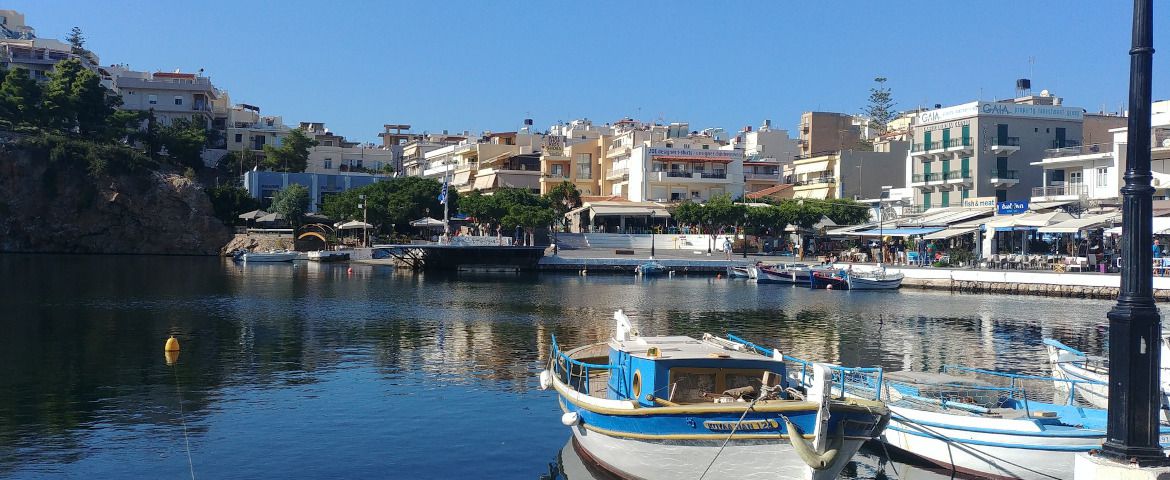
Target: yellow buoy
point(172, 344)
point(172, 356)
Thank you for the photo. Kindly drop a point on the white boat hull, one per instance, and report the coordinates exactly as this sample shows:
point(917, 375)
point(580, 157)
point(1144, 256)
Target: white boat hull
point(891, 282)
point(670, 460)
point(1070, 366)
point(269, 257)
point(985, 454)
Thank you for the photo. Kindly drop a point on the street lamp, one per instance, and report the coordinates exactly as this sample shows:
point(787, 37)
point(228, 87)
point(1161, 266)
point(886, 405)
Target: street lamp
point(745, 242)
point(365, 230)
point(882, 226)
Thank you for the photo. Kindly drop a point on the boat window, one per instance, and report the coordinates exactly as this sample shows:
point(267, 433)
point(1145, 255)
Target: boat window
point(636, 387)
point(691, 385)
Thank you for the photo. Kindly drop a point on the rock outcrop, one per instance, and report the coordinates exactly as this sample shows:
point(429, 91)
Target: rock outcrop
point(59, 207)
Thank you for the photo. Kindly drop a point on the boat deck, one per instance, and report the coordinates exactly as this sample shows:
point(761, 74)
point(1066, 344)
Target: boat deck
point(679, 348)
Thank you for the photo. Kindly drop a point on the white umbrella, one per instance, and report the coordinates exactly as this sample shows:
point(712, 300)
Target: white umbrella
point(427, 222)
point(354, 225)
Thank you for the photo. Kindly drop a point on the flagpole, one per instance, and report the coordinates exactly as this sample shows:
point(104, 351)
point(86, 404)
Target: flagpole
point(446, 194)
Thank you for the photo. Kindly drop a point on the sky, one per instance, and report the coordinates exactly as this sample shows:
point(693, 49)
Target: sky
point(488, 65)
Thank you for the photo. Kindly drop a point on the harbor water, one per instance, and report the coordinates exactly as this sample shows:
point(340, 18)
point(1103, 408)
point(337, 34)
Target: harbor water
point(317, 371)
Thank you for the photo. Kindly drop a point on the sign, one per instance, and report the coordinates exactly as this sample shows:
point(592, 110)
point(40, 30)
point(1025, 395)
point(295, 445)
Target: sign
point(553, 145)
point(1000, 109)
point(1011, 208)
point(724, 155)
point(978, 202)
point(721, 426)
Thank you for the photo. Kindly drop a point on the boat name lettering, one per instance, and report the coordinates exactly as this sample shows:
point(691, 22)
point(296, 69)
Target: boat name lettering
point(721, 426)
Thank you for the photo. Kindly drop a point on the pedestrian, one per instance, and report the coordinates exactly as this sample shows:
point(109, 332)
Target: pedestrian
point(1157, 249)
point(727, 246)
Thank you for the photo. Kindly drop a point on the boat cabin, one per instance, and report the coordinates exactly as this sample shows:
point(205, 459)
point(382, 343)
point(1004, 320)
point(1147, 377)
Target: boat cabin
point(684, 370)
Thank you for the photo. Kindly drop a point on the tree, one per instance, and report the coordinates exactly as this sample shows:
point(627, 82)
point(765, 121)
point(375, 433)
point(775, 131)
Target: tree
point(688, 213)
point(75, 100)
point(230, 201)
point(563, 197)
point(293, 153)
point(236, 163)
point(881, 107)
point(184, 140)
point(292, 202)
point(20, 98)
point(396, 201)
point(76, 40)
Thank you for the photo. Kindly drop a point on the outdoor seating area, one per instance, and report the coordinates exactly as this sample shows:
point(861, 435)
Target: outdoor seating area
point(1056, 263)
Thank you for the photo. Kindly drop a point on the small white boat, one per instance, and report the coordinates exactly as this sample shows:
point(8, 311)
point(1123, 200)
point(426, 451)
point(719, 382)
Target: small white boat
point(877, 279)
point(1086, 377)
point(268, 257)
point(973, 426)
point(784, 274)
point(328, 256)
point(650, 269)
point(679, 407)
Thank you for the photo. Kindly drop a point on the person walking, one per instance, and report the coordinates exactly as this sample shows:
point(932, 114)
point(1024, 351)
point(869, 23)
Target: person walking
point(727, 247)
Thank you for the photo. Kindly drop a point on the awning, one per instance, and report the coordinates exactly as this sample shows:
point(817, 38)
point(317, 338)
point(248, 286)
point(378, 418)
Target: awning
point(627, 211)
point(818, 194)
point(1032, 219)
point(354, 225)
point(811, 167)
point(485, 182)
point(516, 180)
point(1161, 227)
point(896, 232)
point(1077, 224)
point(1046, 205)
point(950, 232)
point(461, 178)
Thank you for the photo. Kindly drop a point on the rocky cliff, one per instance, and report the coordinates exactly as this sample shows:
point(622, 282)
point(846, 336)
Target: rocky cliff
point(50, 204)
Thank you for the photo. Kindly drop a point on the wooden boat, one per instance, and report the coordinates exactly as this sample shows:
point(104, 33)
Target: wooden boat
point(274, 256)
point(679, 407)
point(783, 274)
point(877, 279)
point(737, 272)
point(650, 268)
point(328, 256)
point(828, 279)
point(972, 426)
point(1086, 377)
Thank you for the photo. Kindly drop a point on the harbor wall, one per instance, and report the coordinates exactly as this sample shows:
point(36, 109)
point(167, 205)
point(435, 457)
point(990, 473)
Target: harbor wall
point(1073, 285)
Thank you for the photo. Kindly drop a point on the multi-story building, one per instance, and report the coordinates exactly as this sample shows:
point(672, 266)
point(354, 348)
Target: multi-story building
point(668, 163)
point(850, 174)
point(497, 160)
point(170, 95)
point(264, 185)
point(824, 132)
point(1091, 172)
point(20, 48)
point(336, 155)
point(413, 159)
point(766, 154)
point(248, 130)
point(984, 149)
point(394, 137)
point(572, 152)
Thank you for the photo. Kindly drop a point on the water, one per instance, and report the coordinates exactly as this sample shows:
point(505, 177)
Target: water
point(308, 371)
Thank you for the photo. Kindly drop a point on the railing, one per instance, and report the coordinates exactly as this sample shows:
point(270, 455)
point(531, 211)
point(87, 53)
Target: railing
point(678, 174)
point(1078, 189)
point(917, 147)
point(957, 175)
point(761, 176)
point(815, 154)
point(713, 175)
point(1078, 150)
point(817, 180)
point(841, 375)
point(935, 145)
point(1005, 174)
point(617, 172)
point(1059, 144)
point(959, 142)
point(1006, 142)
point(563, 367)
point(917, 178)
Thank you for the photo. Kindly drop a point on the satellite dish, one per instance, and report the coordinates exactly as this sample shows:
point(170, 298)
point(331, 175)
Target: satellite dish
point(1044, 93)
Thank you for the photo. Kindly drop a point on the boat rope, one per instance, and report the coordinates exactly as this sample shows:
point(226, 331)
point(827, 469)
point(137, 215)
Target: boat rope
point(763, 393)
point(183, 418)
point(889, 461)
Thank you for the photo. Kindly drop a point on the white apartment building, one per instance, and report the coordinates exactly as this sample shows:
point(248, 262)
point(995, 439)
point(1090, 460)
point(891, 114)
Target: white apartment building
point(497, 160)
point(20, 48)
point(766, 153)
point(171, 95)
point(248, 130)
point(1093, 172)
point(335, 155)
point(664, 163)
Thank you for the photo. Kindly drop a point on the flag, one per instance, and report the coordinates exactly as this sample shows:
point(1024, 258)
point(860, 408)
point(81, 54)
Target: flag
point(443, 194)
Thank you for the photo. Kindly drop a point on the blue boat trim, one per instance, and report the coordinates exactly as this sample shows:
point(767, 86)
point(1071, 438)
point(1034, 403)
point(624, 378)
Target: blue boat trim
point(984, 443)
point(1077, 432)
point(1056, 343)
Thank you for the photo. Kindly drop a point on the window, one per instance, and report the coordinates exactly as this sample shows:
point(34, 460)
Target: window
point(178, 100)
point(1001, 195)
point(1076, 177)
point(584, 166)
point(152, 99)
point(966, 193)
point(328, 163)
point(327, 143)
point(926, 200)
point(669, 145)
point(239, 138)
point(1102, 176)
point(706, 147)
point(129, 92)
point(946, 199)
point(558, 170)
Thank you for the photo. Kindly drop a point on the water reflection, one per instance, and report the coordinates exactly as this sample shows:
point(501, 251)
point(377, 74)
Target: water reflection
point(364, 357)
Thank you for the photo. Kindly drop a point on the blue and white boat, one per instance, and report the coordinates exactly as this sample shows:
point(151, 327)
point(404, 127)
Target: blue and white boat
point(784, 274)
point(975, 427)
point(650, 268)
point(1092, 373)
point(678, 407)
point(737, 272)
point(876, 279)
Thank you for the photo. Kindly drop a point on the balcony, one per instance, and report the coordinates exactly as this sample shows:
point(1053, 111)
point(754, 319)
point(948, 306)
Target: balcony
point(960, 145)
point(619, 174)
point(674, 176)
point(1005, 145)
point(553, 177)
point(771, 177)
point(817, 181)
point(1004, 178)
point(918, 180)
point(933, 146)
point(1076, 150)
point(1061, 144)
point(1070, 191)
point(919, 150)
point(958, 177)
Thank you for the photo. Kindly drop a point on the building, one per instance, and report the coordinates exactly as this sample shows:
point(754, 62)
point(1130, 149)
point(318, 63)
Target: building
point(414, 150)
point(572, 152)
point(668, 163)
point(496, 160)
point(850, 174)
point(823, 132)
point(394, 137)
point(264, 185)
point(985, 149)
point(766, 153)
point(336, 155)
point(1091, 173)
point(248, 130)
point(20, 48)
point(170, 95)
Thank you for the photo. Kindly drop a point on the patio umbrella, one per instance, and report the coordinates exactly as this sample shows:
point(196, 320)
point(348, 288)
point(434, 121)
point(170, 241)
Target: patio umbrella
point(254, 214)
point(427, 222)
point(354, 225)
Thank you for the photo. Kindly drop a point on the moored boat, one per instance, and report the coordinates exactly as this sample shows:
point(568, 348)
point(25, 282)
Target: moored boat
point(679, 407)
point(650, 268)
point(878, 279)
point(268, 257)
point(734, 271)
point(1086, 377)
point(328, 256)
point(828, 279)
point(784, 274)
point(975, 427)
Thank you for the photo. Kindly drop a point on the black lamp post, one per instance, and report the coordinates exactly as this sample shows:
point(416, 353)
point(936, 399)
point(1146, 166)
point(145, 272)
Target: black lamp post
point(745, 242)
point(1134, 324)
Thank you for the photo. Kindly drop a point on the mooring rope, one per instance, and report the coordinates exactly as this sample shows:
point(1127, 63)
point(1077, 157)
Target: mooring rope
point(763, 393)
point(183, 418)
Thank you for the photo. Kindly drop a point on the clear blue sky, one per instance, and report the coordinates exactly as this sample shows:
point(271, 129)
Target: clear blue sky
point(487, 65)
